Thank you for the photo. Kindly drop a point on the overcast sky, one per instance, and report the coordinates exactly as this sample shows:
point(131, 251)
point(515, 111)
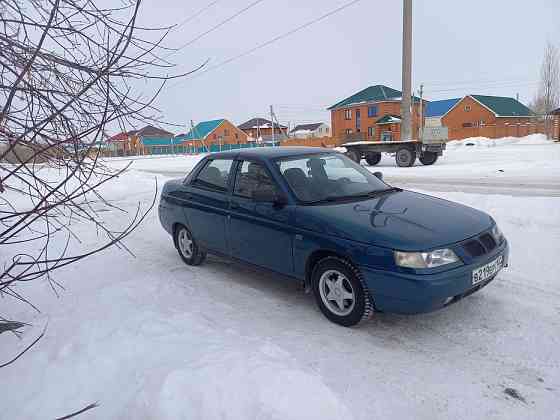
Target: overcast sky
point(460, 47)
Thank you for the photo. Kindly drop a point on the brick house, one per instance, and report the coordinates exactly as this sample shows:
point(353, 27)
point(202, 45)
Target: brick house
point(213, 136)
point(152, 140)
point(258, 127)
point(119, 145)
point(488, 116)
point(556, 124)
point(149, 140)
point(372, 114)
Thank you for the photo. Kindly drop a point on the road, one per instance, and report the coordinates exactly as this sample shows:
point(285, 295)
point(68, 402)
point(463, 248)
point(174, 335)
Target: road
point(528, 187)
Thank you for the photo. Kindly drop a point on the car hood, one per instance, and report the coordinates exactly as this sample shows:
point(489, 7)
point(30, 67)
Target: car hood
point(401, 220)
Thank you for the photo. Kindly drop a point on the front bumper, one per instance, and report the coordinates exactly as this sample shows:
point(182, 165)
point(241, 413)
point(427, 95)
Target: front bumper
point(402, 293)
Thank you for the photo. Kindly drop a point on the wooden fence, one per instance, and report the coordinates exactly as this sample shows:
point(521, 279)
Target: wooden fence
point(497, 131)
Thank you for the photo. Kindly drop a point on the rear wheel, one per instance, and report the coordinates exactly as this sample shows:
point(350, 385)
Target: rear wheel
point(405, 157)
point(428, 158)
point(187, 247)
point(352, 154)
point(373, 158)
point(340, 292)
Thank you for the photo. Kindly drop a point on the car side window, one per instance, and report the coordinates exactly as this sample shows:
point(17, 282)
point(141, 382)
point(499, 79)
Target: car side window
point(252, 177)
point(214, 175)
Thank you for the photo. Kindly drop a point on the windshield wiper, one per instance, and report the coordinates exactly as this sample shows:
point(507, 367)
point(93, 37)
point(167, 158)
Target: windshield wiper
point(370, 194)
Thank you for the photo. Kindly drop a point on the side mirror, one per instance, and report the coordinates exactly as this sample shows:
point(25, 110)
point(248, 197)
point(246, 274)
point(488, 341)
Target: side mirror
point(378, 175)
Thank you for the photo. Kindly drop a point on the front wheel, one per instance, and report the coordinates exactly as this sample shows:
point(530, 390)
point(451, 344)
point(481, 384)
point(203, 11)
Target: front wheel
point(405, 157)
point(340, 292)
point(187, 247)
point(428, 158)
point(373, 158)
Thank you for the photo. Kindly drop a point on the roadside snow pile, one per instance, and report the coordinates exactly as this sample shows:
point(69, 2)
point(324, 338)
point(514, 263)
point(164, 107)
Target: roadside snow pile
point(534, 139)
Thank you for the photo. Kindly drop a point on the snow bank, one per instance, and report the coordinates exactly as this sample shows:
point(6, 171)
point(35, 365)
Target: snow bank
point(534, 139)
point(151, 338)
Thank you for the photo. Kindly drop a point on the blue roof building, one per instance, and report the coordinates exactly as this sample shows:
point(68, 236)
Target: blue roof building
point(439, 108)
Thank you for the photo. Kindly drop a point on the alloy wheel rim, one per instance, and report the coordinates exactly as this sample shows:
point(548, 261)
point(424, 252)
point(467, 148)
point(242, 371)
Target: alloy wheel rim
point(337, 292)
point(185, 243)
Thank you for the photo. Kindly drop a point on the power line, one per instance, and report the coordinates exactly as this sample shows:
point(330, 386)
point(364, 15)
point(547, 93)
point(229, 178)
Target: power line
point(495, 86)
point(217, 26)
point(271, 41)
point(197, 14)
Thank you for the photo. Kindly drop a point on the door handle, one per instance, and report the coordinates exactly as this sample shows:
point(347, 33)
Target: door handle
point(234, 204)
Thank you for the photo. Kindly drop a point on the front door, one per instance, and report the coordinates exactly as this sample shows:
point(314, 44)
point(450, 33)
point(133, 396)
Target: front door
point(259, 233)
point(207, 205)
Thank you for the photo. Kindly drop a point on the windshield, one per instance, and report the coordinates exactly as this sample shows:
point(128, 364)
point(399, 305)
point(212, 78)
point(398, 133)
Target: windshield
point(328, 177)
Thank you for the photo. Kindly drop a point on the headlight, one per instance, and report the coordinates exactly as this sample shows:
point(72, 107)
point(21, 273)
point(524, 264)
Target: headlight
point(431, 259)
point(498, 235)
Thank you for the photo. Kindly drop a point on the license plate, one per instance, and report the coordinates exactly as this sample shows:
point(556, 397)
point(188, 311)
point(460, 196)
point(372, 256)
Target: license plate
point(486, 271)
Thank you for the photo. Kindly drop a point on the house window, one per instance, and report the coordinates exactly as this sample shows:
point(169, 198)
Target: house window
point(236, 135)
point(372, 111)
point(226, 132)
point(467, 125)
point(371, 131)
point(467, 108)
point(348, 131)
point(347, 114)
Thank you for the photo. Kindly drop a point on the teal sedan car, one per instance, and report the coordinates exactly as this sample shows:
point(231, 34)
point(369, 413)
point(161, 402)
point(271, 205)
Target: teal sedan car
point(316, 216)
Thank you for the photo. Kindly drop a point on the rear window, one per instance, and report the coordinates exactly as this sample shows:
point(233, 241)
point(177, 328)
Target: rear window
point(215, 175)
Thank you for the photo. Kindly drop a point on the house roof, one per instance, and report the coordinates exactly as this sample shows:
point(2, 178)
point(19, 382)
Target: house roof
point(503, 106)
point(440, 108)
point(375, 93)
point(201, 130)
point(555, 112)
point(259, 122)
point(117, 138)
point(151, 131)
point(389, 119)
point(307, 127)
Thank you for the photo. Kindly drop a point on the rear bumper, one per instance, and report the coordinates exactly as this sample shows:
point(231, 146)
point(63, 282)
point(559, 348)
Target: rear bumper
point(400, 293)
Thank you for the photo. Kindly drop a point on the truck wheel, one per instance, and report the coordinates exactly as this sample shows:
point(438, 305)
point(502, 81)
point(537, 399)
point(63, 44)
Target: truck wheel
point(373, 158)
point(341, 292)
point(405, 157)
point(187, 247)
point(352, 154)
point(428, 158)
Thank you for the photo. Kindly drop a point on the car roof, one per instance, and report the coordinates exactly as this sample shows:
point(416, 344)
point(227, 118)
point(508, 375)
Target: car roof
point(270, 152)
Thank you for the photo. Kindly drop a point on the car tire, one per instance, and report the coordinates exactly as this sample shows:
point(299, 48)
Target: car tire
point(352, 154)
point(341, 292)
point(187, 247)
point(405, 157)
point(373, 158)
point(428, 158)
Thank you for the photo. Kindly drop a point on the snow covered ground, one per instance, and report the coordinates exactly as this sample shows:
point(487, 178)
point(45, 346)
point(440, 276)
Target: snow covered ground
point(151, 338)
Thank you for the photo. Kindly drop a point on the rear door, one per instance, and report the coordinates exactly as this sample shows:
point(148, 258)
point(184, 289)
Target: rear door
point(207, 205)
point(259, 233)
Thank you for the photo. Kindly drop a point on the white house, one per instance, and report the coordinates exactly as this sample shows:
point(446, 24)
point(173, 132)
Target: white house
point(304, 131)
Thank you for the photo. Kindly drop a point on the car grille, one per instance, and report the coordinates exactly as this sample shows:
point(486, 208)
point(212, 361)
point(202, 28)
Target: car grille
point(481, 245)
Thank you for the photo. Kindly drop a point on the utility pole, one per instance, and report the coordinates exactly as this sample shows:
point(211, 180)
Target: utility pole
point(406, 124)
point(272, 121)
point(421, 125)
